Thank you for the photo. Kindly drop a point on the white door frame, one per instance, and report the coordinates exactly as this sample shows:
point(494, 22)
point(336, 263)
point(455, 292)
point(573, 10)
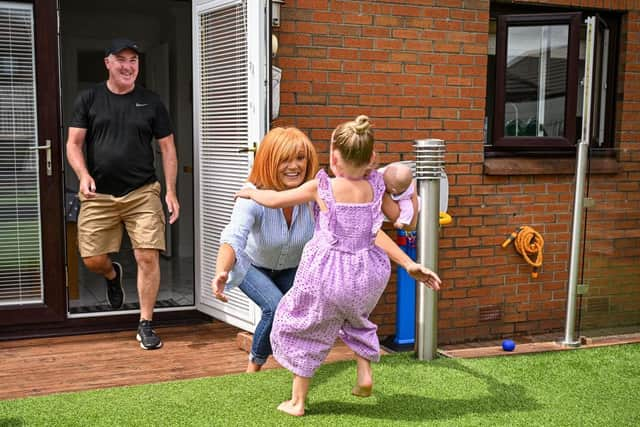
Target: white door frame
point(240, 311)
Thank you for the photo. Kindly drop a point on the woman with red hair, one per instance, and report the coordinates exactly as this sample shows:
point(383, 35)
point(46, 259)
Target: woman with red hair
point(260, 248)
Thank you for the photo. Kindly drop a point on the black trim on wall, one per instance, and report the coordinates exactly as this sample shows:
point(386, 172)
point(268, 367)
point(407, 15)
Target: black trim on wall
point(127, 322)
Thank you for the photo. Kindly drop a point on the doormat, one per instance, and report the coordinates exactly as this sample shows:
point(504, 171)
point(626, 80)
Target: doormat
point(100, 308)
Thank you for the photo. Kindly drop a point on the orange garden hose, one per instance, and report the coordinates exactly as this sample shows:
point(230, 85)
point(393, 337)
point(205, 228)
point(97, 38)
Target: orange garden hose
point(528, 243)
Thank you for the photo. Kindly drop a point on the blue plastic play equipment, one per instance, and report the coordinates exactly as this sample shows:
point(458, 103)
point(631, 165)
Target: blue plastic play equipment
point(406, 294)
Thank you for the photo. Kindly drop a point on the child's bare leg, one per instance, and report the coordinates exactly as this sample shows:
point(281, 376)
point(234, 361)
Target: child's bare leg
point(365, 378)
point(299, 390)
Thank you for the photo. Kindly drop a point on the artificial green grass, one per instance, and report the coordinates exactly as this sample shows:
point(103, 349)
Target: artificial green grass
point(585, 387)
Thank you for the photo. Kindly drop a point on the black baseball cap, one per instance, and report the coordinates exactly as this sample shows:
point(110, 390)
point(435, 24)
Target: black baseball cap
point(118, 45)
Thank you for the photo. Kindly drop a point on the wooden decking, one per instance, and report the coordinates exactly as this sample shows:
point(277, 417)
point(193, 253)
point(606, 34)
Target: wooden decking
point(43, 366)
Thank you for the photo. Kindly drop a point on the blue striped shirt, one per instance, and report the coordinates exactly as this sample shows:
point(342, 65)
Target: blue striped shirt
point(260, 236)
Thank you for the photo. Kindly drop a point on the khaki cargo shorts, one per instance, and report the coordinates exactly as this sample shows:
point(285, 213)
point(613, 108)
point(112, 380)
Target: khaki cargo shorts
point(101, 218)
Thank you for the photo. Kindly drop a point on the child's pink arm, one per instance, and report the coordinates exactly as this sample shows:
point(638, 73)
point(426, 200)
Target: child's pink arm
point(307, 192)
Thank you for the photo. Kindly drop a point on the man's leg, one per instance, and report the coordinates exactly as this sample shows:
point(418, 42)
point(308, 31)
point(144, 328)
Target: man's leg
point(142, 213)
point(112, 272)
point(100, 264)
point(99, 234)
point(148, 280)
point(143, 217)
point(148, 261)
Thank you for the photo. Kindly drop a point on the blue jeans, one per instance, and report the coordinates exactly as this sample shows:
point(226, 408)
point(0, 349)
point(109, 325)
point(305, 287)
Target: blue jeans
point(265, 287)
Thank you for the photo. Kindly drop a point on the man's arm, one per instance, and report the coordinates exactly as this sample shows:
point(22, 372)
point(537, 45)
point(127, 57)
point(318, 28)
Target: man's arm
point(170, 168)
point(75, 156)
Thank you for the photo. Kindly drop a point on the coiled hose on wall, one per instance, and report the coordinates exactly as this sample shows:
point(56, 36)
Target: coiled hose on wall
point(528, 243)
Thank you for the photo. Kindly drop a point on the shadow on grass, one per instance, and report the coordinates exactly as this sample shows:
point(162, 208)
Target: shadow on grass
point(11, 422)
point(501, 397)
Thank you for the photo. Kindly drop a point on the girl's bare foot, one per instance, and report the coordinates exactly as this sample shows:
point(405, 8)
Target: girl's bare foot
point(291, 409)
point(362, 391)
point(364, 384)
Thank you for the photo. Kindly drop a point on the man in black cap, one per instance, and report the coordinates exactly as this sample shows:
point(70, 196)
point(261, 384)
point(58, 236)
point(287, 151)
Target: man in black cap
point(117, 120)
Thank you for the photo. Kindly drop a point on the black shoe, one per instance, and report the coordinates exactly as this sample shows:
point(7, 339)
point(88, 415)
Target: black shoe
point(147, 336)
point(115, 290)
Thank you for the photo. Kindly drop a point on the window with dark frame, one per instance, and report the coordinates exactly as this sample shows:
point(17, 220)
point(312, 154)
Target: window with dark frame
point(535, 80)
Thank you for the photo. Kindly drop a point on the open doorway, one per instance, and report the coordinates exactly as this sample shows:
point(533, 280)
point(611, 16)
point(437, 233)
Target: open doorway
point(163, 30)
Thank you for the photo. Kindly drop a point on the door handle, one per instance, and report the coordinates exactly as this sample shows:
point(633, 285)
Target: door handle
point(249, 149)
point(47, 148)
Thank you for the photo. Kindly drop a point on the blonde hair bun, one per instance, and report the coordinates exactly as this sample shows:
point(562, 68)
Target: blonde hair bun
point(354, 140)
point(361, 124)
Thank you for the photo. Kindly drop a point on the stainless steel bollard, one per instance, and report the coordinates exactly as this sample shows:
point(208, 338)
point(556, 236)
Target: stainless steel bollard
point(429, 166)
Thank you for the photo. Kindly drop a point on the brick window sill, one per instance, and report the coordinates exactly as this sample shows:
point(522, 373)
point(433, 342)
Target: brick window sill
point(546, 166)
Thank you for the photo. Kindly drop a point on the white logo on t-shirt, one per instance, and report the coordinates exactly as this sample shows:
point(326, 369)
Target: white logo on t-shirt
point(141, 105)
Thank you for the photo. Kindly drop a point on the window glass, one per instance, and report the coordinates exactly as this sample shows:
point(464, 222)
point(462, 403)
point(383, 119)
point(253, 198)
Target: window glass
point(536, 80)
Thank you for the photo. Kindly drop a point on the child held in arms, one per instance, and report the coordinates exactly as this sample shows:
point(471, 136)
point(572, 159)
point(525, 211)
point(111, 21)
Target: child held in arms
point(398, 182)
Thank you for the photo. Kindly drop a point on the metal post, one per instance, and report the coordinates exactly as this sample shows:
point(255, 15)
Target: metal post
point(578, 202)
point(576, 237)
point(429, 164)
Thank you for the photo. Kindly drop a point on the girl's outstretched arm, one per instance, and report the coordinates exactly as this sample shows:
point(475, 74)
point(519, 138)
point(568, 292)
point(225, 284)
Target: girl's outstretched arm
point(415, 270)
point(307, 192)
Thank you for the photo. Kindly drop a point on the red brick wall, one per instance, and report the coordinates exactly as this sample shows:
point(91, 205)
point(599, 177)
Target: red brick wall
point(418, 69)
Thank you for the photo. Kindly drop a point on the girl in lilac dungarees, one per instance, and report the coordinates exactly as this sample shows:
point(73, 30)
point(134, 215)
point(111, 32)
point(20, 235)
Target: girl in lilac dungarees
point(342, 274)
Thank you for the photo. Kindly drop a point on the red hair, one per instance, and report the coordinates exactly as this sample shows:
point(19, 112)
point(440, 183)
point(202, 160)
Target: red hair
point(277, 146)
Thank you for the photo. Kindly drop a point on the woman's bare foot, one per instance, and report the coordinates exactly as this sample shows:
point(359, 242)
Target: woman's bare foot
point(362, 391)
point(290, 408)
point(253, 367)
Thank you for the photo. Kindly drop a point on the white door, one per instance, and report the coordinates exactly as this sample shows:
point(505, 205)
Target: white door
point(230, 114)
point(157, 69)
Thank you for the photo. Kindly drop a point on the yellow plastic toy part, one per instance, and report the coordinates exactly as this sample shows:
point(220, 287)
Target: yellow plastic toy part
point(445, 218)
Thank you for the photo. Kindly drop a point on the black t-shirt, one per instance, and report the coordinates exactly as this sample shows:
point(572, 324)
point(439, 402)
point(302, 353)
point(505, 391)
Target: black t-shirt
point(120, 129)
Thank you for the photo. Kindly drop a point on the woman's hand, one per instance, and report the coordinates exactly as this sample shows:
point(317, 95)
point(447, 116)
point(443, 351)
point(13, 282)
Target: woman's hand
point(424, 275)
point(218, 283)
